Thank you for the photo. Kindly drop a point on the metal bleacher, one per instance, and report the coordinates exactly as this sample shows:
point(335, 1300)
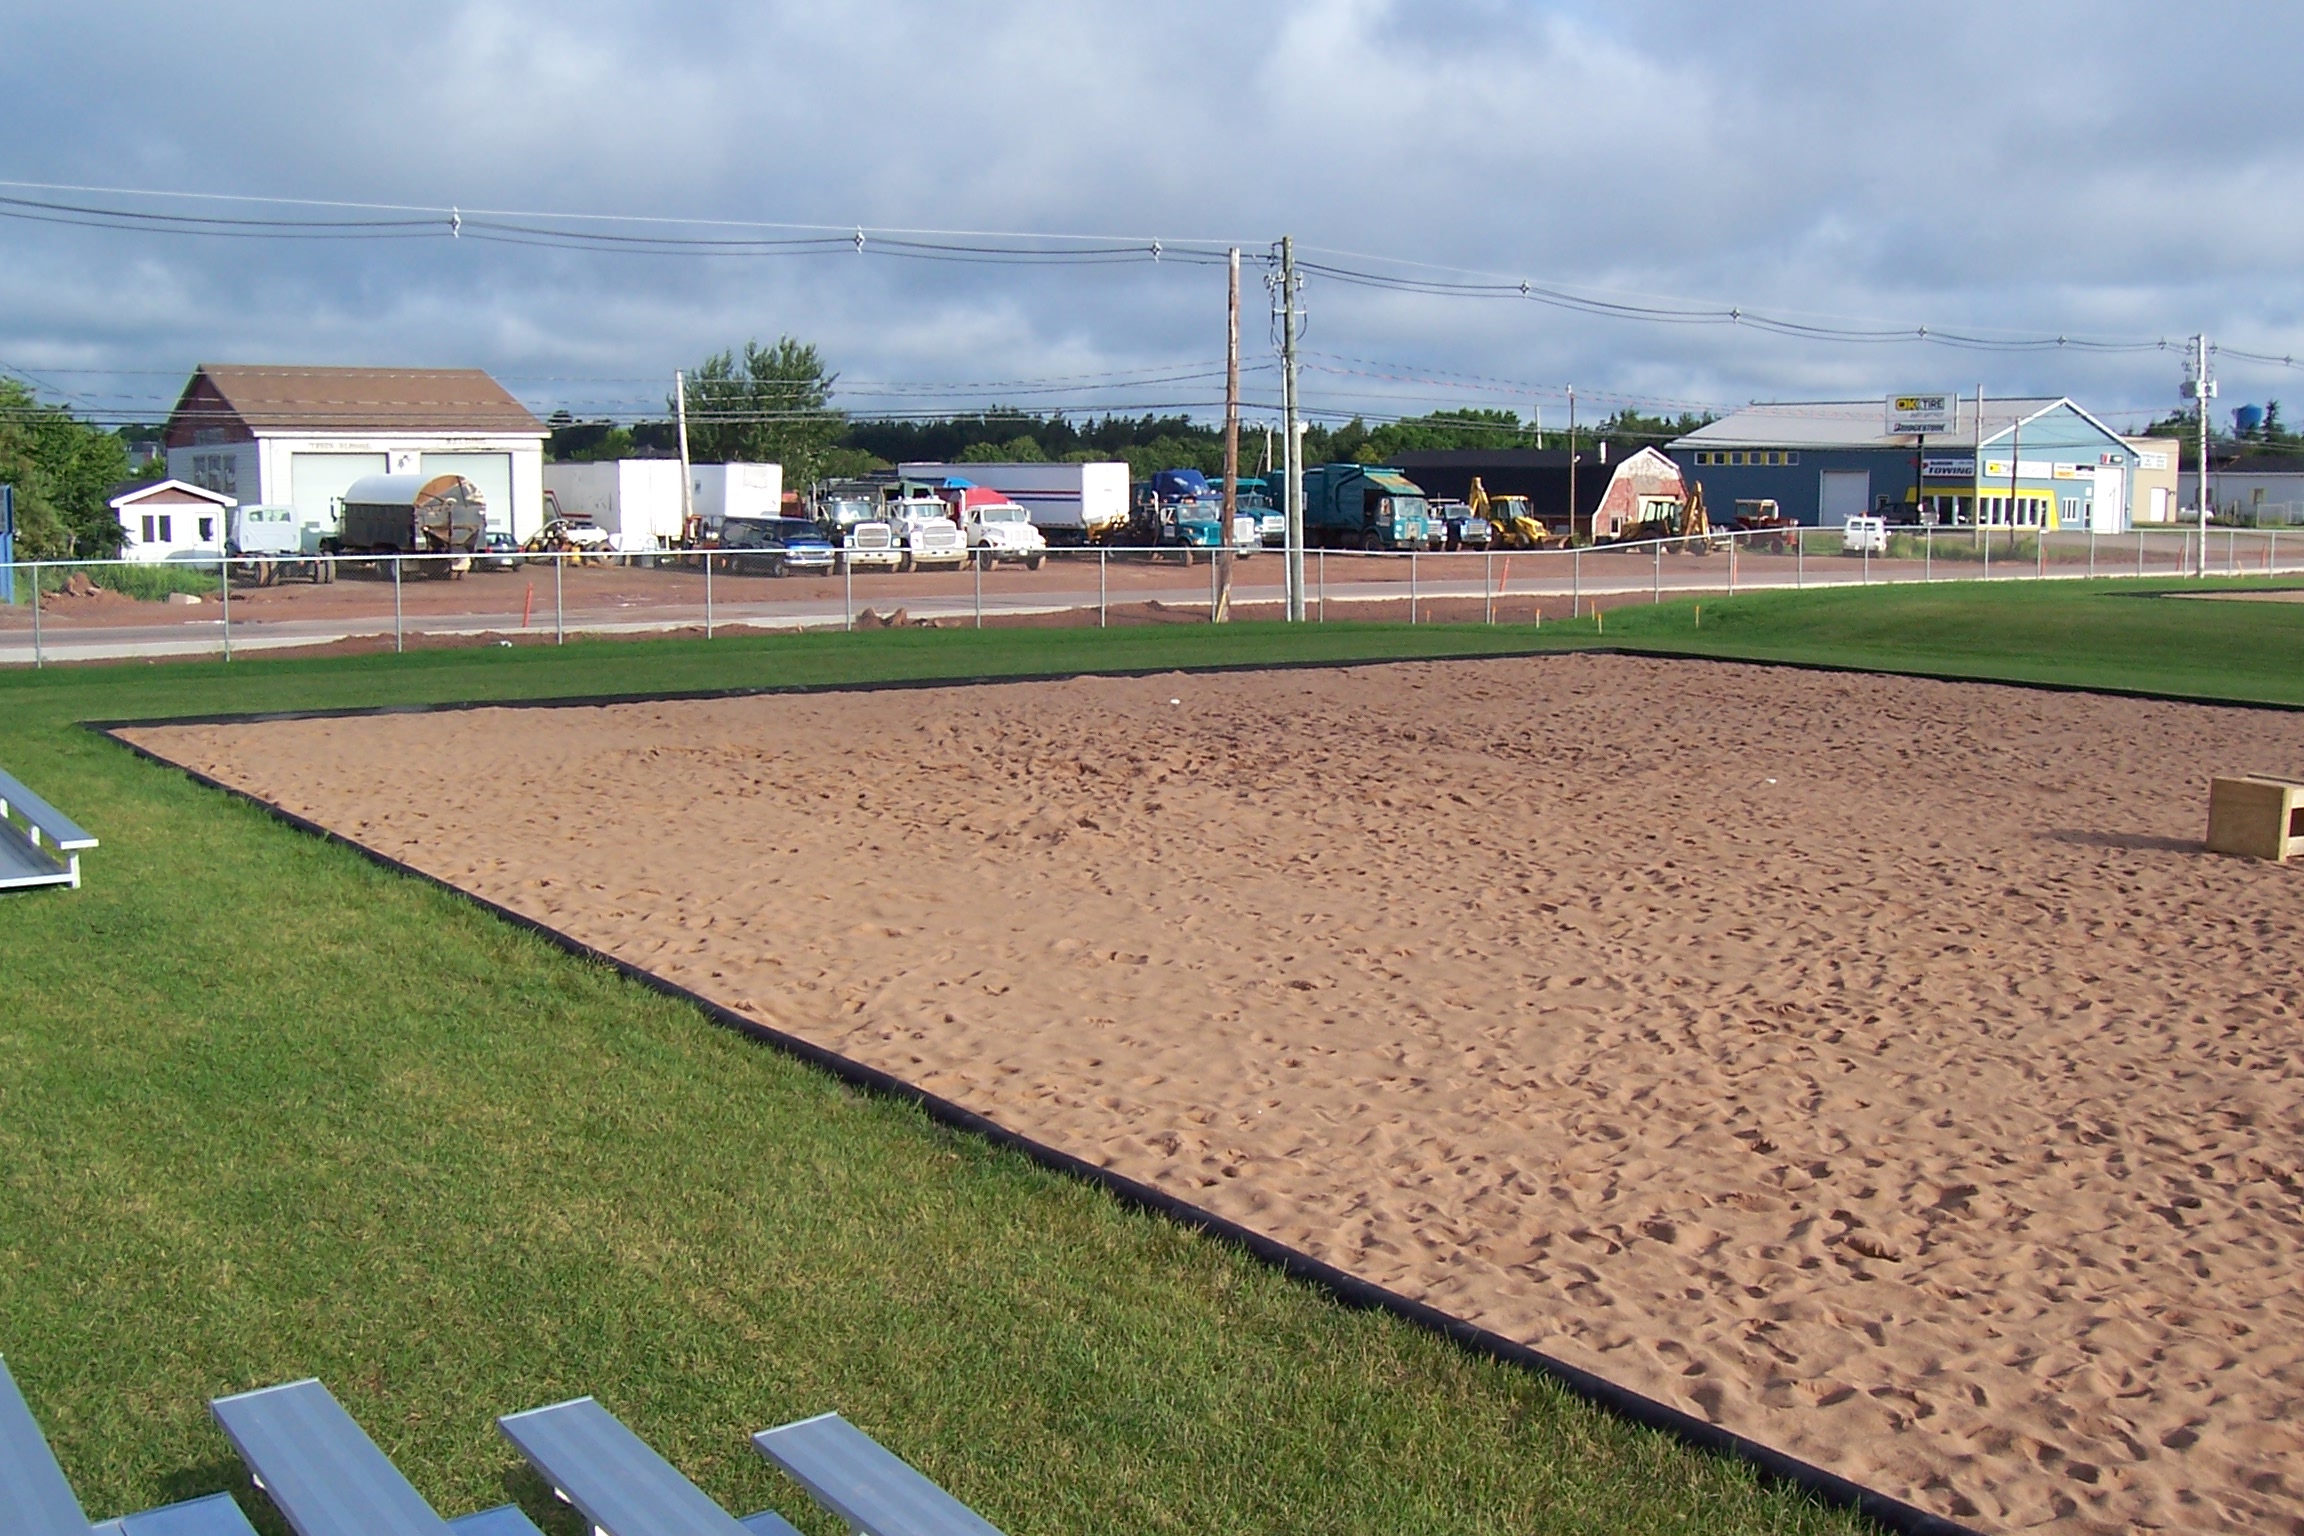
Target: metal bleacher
point(327, 1478)
point(26, 821)
point(37, 1500)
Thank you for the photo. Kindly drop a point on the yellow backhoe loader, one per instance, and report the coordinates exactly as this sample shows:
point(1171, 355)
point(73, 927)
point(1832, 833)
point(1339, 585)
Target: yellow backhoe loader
point(1513, 518)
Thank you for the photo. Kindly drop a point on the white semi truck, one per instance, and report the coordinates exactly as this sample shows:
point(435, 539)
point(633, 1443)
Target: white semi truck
point(1068, 503)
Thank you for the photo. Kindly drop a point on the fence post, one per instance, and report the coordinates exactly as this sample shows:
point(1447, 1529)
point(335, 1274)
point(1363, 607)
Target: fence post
point(224, 568)
point(977, 565)
point(2232, 551)
point(1866, 578)
point(1799, 558)
point(847, 596)
point(38, 661)
point(1411, 586)
point(398, 644)
point(1101, 556)
point(559, 602)
point(1214, 556)
point(2139, 551)
point(1656, 585)
point(1575, 582)
point(2272, 552)
point(1732, 551)
point(2091, 551)
point(1323, 586)
point(707, 594)
point(1488, 583)
point(1928, 553)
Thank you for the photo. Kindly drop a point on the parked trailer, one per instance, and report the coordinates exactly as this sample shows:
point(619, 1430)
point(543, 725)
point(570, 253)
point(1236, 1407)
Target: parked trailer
point(636, 502)
point(412, 515)
point(1068, 503)
point(722, 491)
point(1354, 506)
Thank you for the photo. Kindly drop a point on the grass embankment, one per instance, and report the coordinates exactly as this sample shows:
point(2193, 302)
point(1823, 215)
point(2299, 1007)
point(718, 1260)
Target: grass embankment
point(267, 1110)
point(146, 583)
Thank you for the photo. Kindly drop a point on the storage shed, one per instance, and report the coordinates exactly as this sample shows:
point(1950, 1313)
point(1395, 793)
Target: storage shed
point(170, 520)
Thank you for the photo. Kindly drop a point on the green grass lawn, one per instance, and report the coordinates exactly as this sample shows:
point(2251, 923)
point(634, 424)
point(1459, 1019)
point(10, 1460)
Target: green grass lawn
point(268, 1110)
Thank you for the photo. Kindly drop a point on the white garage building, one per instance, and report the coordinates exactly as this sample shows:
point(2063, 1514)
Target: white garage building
point(299, 436)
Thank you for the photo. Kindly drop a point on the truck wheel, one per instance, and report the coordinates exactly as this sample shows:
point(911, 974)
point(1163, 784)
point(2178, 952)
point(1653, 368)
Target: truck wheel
point(1032, 562)
point(1372, 541)
point(779, 568)
point(904, 563)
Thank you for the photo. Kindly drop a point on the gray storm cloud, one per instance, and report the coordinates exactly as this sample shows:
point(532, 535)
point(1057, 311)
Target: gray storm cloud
point(2039, 168)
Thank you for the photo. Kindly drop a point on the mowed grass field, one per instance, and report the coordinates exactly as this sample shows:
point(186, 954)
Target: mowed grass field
point(268, 1111)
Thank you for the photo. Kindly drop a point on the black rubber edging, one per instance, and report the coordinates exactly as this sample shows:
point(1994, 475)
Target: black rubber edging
point(1347, 1289)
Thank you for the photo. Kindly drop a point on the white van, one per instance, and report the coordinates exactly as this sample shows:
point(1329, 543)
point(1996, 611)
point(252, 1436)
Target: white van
point(1864, 535)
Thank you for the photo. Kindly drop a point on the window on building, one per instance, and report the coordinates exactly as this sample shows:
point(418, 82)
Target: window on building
point(148, 528)
point(1775, 457)
point(1791, 458)
point(167, 529)
point(207, 529)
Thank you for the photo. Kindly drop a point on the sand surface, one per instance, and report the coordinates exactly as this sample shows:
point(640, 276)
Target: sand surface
point(1872, 1065)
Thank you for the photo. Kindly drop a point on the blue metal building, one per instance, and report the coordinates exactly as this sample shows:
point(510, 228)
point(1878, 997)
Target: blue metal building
point(2035, 463)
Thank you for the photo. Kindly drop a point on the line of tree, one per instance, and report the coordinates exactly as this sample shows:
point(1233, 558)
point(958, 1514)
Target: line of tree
point(773, 404)
point(63, 471)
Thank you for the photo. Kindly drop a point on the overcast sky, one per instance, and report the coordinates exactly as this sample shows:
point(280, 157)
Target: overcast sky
point(2106, 170)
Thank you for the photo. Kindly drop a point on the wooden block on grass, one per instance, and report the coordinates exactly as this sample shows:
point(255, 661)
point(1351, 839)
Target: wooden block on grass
point(2257, 817)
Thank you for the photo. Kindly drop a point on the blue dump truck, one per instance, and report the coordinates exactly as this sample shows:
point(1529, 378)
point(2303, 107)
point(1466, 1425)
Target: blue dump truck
point(1358, 506)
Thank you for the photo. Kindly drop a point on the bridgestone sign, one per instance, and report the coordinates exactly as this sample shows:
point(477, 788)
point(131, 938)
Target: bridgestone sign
point(1919, 415)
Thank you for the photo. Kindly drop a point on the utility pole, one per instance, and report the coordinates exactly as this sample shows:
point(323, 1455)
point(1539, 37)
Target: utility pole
point(2202, 389)
point(1292, 442)
point(687, 488)
point(1571, 461)
point(1223, 606)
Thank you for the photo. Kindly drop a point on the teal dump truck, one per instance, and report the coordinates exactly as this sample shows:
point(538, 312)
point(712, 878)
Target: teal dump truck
point(1357, 506)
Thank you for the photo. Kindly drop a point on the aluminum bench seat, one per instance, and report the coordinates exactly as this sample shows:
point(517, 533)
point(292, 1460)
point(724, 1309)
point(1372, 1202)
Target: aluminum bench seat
point(615, 1479)
point(328, 1478)
point(36, 1499)
point(26, 819)
point(215, 1515)
point(864, 1483)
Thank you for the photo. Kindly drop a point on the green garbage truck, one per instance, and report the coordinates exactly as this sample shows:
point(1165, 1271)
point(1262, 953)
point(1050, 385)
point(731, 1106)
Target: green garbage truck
point(1359, 506)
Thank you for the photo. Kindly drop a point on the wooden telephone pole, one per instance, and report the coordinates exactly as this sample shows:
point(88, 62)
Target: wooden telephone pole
point(1222, 610)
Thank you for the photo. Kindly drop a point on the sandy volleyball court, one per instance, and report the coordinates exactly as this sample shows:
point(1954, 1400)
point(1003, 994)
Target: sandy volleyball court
point(1872, 1065)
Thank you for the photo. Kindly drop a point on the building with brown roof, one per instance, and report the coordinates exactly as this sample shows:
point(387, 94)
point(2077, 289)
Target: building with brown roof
point(289, 436)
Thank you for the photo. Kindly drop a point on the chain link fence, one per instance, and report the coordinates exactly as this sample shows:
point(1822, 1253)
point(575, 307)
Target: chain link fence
point(108, 610)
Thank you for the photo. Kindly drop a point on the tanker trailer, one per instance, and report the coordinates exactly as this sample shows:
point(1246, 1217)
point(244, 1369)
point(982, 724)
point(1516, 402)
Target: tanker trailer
point(441, 515)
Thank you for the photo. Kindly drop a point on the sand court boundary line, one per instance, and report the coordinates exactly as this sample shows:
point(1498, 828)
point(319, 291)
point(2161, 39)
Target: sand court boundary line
point(1346, 1289)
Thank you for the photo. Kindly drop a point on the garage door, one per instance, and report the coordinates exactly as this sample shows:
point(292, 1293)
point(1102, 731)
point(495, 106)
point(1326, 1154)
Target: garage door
point(316, 480)
point(491, 472)
point(1847, 494)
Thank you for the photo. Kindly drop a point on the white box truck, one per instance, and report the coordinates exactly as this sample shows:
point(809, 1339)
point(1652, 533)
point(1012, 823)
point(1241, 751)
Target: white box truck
point(636, 502)
point(736, 490)
point(1069, 503)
